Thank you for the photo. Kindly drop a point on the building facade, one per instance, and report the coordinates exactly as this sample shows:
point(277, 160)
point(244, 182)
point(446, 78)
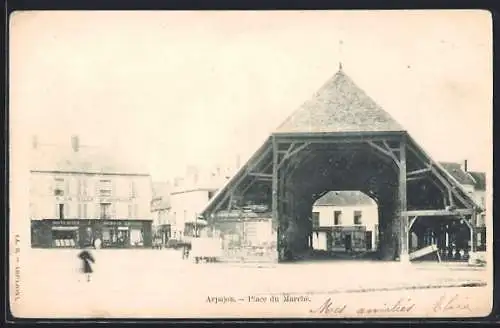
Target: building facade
point(188, 198)
point(345, 221)
point(475, 184)
point(79, 194)
point(160, 209)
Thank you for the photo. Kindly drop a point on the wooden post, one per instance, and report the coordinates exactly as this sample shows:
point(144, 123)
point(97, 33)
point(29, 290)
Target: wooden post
point(275, 196)
point(404, 231)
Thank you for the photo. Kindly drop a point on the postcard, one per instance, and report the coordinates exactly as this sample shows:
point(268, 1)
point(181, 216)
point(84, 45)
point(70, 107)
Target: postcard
point(250, 164)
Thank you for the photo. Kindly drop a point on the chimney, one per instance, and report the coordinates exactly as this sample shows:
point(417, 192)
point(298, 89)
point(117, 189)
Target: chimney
point(34, 142)
point(75, 143)
point(464, 165)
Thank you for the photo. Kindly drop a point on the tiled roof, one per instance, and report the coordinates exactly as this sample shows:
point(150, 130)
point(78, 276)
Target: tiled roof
point(339, 106)
point(344, 198)
point(85, 160)
point(479, 180)
point(455, 169)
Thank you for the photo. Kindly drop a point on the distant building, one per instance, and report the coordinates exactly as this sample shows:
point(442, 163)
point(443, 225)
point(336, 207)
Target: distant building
point(189, 196)
point(160, 208)
point(345, 221)
point(79, 194)
point(475, 184)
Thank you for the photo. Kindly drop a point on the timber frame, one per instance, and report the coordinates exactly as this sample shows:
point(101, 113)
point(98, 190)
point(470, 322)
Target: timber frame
point(282, 158)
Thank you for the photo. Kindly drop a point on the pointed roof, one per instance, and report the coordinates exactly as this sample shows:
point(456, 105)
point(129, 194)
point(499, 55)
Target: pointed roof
point(339, 106)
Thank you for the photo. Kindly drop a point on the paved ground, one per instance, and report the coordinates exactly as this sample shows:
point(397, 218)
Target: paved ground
point(126, 281)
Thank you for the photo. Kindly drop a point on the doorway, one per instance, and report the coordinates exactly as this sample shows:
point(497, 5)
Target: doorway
point(348, 242)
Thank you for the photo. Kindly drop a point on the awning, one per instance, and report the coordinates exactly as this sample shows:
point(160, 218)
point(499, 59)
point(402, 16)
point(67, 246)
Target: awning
point(65, 228)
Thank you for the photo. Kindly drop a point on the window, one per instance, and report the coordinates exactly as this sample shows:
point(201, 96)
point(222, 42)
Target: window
point(79, 210)
point(59, 187)
point(357, 217)
point(85, 210)
point(129, 211)
point(105, 188)
point(210, 195)
point(337, 217)
point(315, 219)
point(133, 191)
point(105, 193)
point(136, 211)
point(105, 211)
point(481, 222)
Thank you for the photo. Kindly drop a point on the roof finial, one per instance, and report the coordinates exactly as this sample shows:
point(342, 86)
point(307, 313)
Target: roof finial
point(340, 54)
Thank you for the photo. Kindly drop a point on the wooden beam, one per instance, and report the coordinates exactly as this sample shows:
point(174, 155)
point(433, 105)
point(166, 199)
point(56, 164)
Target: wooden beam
point(414, 178)
point(451, 189)
point(260, 175)
point(259, 159)
point(404, 229)
point(442, 212)
point(416, 172)
point(424, 161)
point(412, 222)
point(385, 151)
point(275, 193)
point(291, 152)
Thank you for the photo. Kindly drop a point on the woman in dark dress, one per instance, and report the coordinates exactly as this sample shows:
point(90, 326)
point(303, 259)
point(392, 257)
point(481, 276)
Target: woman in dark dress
point(86, 257)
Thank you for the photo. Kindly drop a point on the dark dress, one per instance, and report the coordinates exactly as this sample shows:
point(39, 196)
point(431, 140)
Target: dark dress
point(86, 257)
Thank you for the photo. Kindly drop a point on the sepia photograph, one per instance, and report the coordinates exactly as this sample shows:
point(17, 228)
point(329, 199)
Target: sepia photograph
point(251, 164)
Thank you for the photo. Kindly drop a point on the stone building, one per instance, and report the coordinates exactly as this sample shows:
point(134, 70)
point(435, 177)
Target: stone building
point(80, 193)
point(345, 221)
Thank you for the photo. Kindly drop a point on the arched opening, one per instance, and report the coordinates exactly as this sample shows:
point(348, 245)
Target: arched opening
point(327, 167)
point(344, 226)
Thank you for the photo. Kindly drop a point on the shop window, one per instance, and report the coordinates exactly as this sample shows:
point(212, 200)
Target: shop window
point(315, 219)
point(357, 217)
point(136, 237)
point(337, 217)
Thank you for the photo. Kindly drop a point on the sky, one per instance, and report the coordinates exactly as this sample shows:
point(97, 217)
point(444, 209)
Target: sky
point(171, 89)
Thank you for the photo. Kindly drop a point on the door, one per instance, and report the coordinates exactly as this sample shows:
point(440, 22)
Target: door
point(348, 242)
point(368, 240)
point(329, 241)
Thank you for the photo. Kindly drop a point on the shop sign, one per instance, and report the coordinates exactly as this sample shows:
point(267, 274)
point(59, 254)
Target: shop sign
point(116, 223)
point(237, 214)
point(66, 222)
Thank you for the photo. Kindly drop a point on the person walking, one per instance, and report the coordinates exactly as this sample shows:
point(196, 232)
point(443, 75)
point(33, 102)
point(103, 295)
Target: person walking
point(86, 257)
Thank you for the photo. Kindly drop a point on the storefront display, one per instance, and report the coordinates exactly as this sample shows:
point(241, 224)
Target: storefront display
point(84, 233)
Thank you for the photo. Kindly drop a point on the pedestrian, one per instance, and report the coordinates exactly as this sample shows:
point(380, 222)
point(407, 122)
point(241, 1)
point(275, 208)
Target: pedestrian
point(97, 243)
point(85, 256)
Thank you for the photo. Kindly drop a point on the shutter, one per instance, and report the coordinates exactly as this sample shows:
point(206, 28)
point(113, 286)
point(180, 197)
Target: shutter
point(66, 211)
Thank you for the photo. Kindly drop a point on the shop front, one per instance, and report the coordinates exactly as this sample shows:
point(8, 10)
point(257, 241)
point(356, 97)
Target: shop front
point(248, 236)
point(84, 233)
